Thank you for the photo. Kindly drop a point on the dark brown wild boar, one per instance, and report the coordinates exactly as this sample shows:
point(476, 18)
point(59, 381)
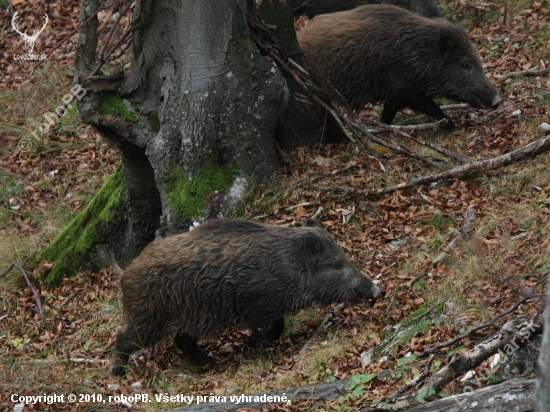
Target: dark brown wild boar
point(312, 8)
point(384, 53)
point(228, 272)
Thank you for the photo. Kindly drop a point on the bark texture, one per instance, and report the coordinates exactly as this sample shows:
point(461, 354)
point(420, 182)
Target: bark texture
point(299, 124)
point(194, 118)
point(542, 403)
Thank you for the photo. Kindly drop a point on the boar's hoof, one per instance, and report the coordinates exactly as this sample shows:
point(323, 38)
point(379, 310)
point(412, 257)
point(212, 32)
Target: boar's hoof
point(448, 127)
point(497, 100)
point(119, 370)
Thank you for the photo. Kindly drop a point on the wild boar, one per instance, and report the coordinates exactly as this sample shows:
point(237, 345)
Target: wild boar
point(228, 272)
point(312, 8)
point(383, 53)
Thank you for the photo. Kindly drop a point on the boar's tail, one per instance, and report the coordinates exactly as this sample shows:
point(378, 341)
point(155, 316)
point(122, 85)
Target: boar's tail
point(110, 260)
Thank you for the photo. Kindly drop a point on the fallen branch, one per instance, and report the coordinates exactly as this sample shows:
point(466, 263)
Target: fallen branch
point(327, 322)
point(8, 270)
point(490, 324)
point(462, 363)
point(34, 292)
point(512, 395)
point(457, 106)
point(344, 189)
point(423, 126)
point(317, 213)
point(527, 152)
point(412, 383)
point(468, 224)
point(482, 138)
point(400, 132)
point(530, 72)
point(396, 147)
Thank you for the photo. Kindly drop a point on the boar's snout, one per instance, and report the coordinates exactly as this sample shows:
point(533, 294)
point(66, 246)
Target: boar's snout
point(497, 100)
point(376, 291)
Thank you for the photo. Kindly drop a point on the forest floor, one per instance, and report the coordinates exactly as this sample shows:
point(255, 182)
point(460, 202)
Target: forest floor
point(394, 238)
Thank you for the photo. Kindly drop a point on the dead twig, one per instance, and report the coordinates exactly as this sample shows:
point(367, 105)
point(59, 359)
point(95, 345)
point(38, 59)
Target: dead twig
point(526, 152)
point(344, 189)
point(462, 363)
point(489, 324)
point(468, 224)
point(423, 126)
point(412, 383)
point(327, 322)
point(72, 33)
point(34, 292)
point(530, 72)
point(8, 270)
point(317, 213)
point(423, 314)
point(400, 132)
point(483, 138)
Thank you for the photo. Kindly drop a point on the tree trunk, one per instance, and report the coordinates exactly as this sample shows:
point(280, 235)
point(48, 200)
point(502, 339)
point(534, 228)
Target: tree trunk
point(194, 120)
point(542, 402)
point(300, 124)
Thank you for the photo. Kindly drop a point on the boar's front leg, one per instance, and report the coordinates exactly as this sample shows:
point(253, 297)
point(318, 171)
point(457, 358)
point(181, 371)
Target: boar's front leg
point(189, 346)
point(266, 334)
point(426, 105)
point(389, 113)
point(127, 342)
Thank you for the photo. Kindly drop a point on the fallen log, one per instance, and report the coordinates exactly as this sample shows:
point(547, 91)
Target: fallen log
point(529, 151)
point(326, 391)
point(515, 395)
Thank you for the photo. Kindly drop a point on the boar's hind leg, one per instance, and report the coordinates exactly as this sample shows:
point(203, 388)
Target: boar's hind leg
point(127, 342)
point(426, 105)
point(389, 113)
point(189, 346)
point(266, 334)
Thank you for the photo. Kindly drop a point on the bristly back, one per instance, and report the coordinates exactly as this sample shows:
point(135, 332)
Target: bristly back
point(110, 261)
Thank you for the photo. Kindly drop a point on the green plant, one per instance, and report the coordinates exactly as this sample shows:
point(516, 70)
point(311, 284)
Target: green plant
point(358, 383)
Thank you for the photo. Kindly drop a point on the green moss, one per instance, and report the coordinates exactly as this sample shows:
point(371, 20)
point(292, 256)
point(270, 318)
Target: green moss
point(70, 249)
point(154, 122)
point(517, 368)
point(112, 104)
point(188, 196)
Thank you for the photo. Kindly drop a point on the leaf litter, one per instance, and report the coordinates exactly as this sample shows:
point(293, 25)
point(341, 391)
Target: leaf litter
point(393, 238)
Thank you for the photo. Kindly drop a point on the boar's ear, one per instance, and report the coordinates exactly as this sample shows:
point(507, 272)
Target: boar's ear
point(446, 43)
point(313, 223)
point(312, 243)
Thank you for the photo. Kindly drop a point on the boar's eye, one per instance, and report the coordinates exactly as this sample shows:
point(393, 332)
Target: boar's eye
point(466, 66)
point(337, 264)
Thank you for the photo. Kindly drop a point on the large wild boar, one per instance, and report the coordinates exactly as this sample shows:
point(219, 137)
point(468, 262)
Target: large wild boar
point(312, 8)
point(383, 53)
point(228, 272)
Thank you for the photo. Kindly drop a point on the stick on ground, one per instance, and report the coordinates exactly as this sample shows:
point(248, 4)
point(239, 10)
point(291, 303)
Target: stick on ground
point(526, 152)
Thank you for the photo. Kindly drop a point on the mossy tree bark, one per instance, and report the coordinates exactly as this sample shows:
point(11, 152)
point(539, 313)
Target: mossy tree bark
point(194, 119)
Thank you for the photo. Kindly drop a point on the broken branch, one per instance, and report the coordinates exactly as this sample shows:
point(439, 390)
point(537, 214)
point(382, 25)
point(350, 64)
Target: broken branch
point(324, 325)
point(526, 152)
point(34, 292)
point(530, 72)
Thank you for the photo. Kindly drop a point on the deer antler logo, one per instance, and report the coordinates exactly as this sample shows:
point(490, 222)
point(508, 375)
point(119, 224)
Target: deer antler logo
point(29, 40)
